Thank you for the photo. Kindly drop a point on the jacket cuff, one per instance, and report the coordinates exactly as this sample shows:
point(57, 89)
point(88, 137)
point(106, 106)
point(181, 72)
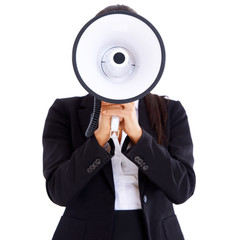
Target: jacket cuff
point(138, 152)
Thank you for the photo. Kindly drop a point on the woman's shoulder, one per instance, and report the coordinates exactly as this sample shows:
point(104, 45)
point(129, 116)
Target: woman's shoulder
point(175, 109)
point(73, 102)
point(172, 104)
point(76, 99)
point(65, 107)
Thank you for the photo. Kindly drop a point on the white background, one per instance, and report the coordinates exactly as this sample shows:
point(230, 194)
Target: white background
point(202, 40)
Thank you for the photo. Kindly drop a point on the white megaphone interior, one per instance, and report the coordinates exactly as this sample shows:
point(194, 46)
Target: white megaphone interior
point(125, 32)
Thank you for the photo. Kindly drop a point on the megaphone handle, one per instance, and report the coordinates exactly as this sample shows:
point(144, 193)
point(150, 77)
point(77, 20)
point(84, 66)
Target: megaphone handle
point(114, 127)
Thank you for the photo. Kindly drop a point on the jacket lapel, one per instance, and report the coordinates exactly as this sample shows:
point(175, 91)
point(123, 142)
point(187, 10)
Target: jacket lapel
point(84, 112)
point(144, 121)
point(145, 124)
point(107, 169)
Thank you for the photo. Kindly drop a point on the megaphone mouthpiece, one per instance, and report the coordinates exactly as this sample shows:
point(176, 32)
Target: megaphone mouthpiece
point(119, 58)
point(118, 64)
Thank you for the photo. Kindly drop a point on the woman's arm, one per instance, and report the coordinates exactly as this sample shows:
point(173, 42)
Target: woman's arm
point(66, 171)
point(171, 170)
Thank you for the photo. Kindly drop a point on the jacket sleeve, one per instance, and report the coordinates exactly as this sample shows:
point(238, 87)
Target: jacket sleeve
point(66, 171)
point(170, 169)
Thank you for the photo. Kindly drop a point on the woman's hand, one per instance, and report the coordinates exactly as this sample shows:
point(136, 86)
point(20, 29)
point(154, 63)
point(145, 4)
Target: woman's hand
point(128, 121)
point(102, 134)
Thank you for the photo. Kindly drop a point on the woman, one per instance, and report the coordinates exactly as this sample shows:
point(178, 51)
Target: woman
point(122, 189)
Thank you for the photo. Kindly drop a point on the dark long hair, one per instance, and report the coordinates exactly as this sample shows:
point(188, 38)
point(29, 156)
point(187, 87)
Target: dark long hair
point(116, 8)
point(156, 105)
point(157, 112)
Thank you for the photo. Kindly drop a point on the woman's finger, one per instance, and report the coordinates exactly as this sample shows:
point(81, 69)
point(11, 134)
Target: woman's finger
point(114, 112)
point(111, 107)
point(128, 106)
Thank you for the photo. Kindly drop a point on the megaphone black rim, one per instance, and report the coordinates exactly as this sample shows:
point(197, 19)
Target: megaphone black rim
point(74, 60)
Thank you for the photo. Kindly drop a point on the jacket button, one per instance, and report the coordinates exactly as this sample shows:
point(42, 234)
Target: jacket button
point(145, 168)
point(89, 170)
point(95, 164)
point(145, 199)
point(138, 160)
point(98, 161)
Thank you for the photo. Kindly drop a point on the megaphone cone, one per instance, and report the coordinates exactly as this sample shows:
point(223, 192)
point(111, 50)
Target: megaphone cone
point(118, 57)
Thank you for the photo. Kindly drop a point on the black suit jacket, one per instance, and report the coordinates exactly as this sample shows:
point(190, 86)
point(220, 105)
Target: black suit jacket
point(79, 174)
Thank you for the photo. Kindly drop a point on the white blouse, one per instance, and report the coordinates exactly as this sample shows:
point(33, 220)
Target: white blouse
point(125, 175)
